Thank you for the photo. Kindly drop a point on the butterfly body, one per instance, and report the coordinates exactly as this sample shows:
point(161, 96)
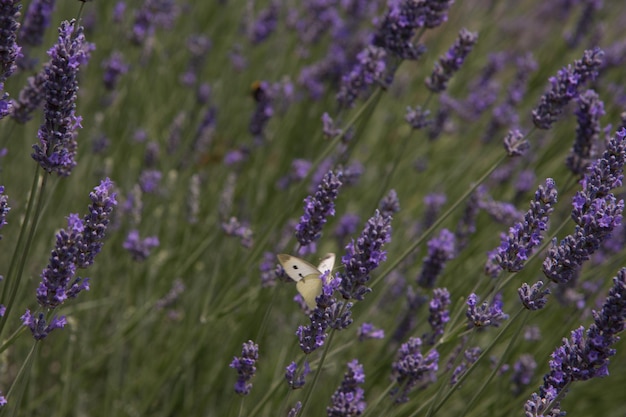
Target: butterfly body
point(306, 275)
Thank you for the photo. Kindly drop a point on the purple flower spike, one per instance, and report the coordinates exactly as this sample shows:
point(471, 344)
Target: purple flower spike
point(482, 315)
point(368, 331)
point(57, 135)
point(390, 204)
point(417, 117)
point(36, 21)
point(246, 367)
point(585, 355)
point(590, 109)
point(397, 29)
point(441, 249)
point(9, 50)
point(363, 256)
point(265, 24)
point(295, 380)
point(469, 357)
point(439, 314)
point(38, 325)
point(565, 87)
point(30, 98)
point(596, 212)
point(523, 372)
point(76, 247)
point(515, 143)
point(451, 62)
point(140, 248)
point(349, 400)
point(412, 368)
point(114, 67)
point(533, 298)
point(526, 235)
point(317, 208)
point(369, 69)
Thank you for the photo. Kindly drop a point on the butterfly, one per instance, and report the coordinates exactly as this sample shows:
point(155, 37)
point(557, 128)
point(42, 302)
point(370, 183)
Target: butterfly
point(307, 276)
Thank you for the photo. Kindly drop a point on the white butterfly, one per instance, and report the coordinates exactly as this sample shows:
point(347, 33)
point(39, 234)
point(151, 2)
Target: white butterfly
point(307, 276)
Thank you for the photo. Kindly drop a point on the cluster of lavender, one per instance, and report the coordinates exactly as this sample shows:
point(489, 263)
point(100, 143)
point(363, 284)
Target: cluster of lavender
point(596, 212)
point(585, 354)
point(76, 247)
point(524, 236)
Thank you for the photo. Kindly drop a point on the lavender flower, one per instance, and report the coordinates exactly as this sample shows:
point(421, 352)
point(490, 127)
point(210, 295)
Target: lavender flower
point(368, 331)
point(149, 180)
point(57, 135)
point(590, 109)
point(515, 143)
point(524, 236)
point(533, 298)
point(178, 287)
point(317, 208)
point(397, 29)
point(313, 336)
point(265, 24)
point(348, 400)
point(363, 256)
point(596, 212)
point(565, 87)
point(295, 411)
point(246, 367)
point(585, 355)
point(369, 69)
point(412, 368)
point(484, 314)
point(75, 248)
point(417, 117)
point(242, 230)
point(38, 325)
point(4, 208)
point(329, 128)
point(9, 50)
point(390, 204)
point(440, 250)
point(585, 22)
point(295, 380)
point(152, 15)
point(114, 67)
point(36, 21)
point(523, 372)
point(139, 248)
point(451, 62)
point(347, 226)
point(439, 315)
point(30, 98)
point(119, 11)
point(469, 357)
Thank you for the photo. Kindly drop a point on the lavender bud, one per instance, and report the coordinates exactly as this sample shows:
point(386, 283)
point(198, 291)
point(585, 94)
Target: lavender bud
point(38, 325)
point(515, 143)
point(4, 208)
point(36, 21)
point(451, 62)
point(439, 315)
point(533, 298)
point(411, 368)
point(349, 399)
point(368, 331)
point(114, 67)
point(139, 248)
point(417, 117)
point(246, 367)
point(369, 69)
point(441, 249)
point(9, 50)
point(294, 380)
point(484, 314)
point(469, 357)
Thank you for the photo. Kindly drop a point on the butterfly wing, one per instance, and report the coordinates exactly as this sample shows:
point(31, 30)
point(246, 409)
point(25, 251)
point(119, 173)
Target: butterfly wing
point(327, 263)
point(296, 268)
point(309, 288)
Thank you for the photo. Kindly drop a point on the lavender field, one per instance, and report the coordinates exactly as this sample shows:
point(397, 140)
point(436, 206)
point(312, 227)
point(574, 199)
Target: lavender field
point(463, 160)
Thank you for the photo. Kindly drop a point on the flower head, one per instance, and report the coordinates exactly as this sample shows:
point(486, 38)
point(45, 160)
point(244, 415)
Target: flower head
point(9, 50)
point(38, 325)
point(36, 21)
point(246, 367)
point(412, 368)
point(363, 256)
point(565, 87)
point(348, 400)
point(451, 62)
point(57, 135)
point(441, 249)
point(140, 248)
point(485, 314)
